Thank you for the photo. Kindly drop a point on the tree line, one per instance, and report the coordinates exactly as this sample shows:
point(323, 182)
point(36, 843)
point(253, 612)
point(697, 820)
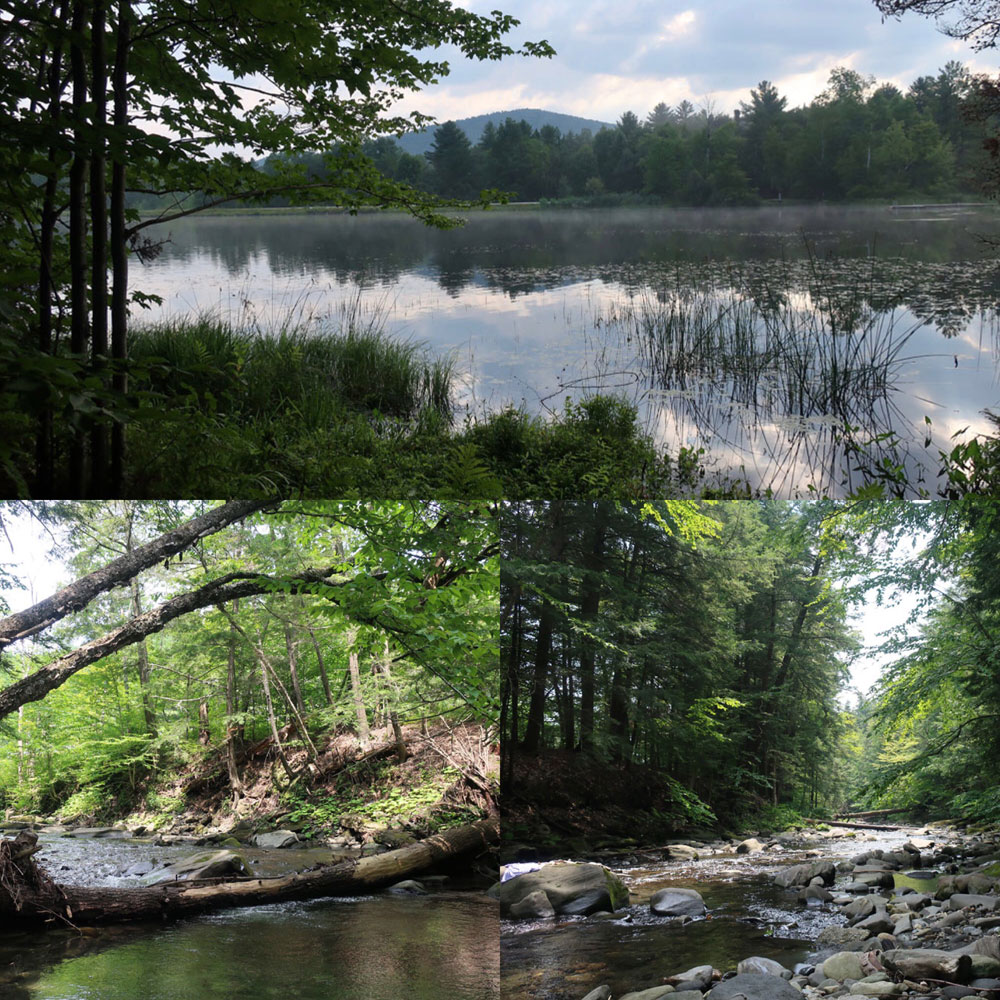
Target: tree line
point(696, 657)
point(856, 140)
point(702, 646)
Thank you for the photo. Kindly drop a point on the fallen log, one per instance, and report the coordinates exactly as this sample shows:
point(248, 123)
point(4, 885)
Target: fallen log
point(29, 897)
point(858, 826)
point(871, 813)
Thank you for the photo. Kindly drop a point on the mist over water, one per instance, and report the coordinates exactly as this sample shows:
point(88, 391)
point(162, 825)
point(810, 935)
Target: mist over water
point(867, 318)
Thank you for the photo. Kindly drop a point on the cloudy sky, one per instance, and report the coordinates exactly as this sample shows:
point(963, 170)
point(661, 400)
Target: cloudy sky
point(619, 55)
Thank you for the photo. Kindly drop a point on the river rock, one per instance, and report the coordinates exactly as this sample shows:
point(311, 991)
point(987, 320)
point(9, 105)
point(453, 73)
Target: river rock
point(534, 906)
point(697, 978)
point(928, 963)
point(959, 900)
point(276, 838)
point(879, 988)
point(408, 887)
point(677, 903)
point(571, 888)
point(803, 874)
point(751, 986)
point(877, 923)
point(96, 831)
point(682, 852)
point(836, 936)
point(844, 965)
point(755, 965)
point(749, 846)
point(601, 993)
point(651, 994)
point(208, 864)
point(948, 885)
point(864, 907)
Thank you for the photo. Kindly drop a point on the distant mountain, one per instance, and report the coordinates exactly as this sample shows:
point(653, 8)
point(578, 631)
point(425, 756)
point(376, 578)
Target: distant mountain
point(420, 142)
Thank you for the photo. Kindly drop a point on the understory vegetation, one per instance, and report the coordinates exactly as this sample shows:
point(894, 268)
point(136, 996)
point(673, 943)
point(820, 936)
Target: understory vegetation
point(281, 703)
point(682, 666)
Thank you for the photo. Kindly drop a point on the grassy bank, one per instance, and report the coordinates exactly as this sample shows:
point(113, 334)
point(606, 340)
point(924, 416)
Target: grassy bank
point(357, 413)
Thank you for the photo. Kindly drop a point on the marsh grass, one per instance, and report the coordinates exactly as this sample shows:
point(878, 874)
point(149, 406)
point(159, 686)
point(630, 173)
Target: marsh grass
point(314, 373)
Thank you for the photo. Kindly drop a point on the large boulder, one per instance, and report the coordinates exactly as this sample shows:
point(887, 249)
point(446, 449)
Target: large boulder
point(835, 936)
point(959, 900)
point(571, 888)
point(534, 906)
point(751, 986)
point(207, 864)
point(677, 903)
point(276, 838)
point(928, 963)
point(803, 874)
point(750, 846)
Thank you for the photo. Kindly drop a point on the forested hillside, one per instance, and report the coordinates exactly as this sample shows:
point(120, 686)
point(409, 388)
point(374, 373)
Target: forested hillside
point(334, 664)
point(680, 666)
point(857, 140)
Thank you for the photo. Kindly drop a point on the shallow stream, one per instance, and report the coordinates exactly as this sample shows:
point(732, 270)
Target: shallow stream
point(364, 948)
point(633, 950)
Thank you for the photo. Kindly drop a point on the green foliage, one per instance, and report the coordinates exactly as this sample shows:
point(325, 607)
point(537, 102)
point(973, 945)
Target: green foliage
point(779, 817)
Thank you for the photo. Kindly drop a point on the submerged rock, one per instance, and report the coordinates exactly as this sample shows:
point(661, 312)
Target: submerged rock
point(534, 906)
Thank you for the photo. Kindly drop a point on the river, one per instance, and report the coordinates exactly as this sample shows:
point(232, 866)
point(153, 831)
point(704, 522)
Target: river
point(757, 335)
point(365, 948)
point(748, 915)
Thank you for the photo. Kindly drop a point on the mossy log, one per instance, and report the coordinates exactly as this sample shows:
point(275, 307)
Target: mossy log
point(29, 897)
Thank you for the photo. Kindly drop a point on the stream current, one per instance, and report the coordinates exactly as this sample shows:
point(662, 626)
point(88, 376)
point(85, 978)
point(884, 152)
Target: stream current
point(361, 948)
point(566, 958)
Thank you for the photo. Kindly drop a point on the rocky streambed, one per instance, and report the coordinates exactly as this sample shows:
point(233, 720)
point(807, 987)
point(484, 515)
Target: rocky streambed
point(801, 917)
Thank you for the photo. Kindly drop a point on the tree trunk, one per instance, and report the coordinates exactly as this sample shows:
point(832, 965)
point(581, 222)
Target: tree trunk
point(364, 736)
point(590, 603)
point(536, 706)
point(232, 730)
point(401, 751)
point(78, 231)
point(46, 238)
point(204, 729)
point(291, 647)
point(119, 251)
point(99, 241)
point(79, 594)
point(33, 899)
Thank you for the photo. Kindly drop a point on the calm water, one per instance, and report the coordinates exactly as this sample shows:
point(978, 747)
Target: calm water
point(368, 948)
point(872, 318)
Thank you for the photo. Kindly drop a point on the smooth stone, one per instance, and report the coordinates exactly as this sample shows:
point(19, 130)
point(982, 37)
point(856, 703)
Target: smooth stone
point(276, 839)
point(564, 882)
point(797, 875)
point(601, 993)
point(843, 965)
point(749, 846)
point(697, 978)
point(754, 987)
point(836, 936)
point(209, 864)
point(651, 994)
point(961, 899)
point(682, 852)
point(879, 989)
point(756, 965)
point(877, 923)
point(677, 903)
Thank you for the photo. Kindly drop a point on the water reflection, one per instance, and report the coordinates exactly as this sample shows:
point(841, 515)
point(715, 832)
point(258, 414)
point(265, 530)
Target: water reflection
point(361, 949)
point(518, 300)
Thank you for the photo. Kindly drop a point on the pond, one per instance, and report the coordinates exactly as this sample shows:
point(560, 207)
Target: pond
point(796, 346)
point(365, 948)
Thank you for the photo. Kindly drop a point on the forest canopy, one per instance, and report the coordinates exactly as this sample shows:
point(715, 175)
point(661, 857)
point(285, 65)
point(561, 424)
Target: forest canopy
point(674, 666)
point(194, 629)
